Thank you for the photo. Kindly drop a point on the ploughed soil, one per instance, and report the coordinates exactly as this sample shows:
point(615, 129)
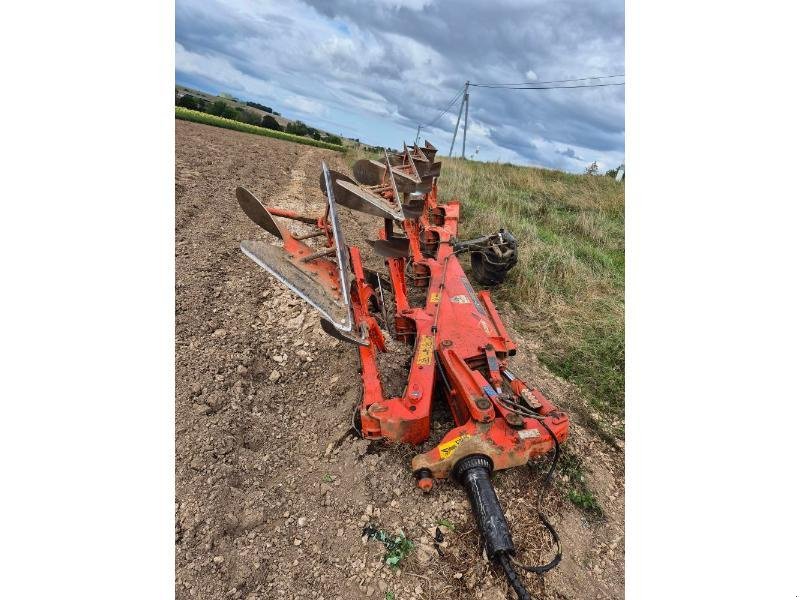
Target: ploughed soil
point(273, 487)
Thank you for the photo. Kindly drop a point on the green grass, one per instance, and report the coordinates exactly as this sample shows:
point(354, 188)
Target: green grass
point(207, 119)
point(442, 522)
point(578, 490)
point(586, 502)
point(568, 287)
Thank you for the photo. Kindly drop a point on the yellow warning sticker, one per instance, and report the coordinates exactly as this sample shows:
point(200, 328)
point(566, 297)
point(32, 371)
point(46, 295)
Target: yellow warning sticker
point(425, 351)
point(447, 448)
point(435, 297)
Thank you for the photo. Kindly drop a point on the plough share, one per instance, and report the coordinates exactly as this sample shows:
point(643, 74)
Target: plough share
point(461, 347)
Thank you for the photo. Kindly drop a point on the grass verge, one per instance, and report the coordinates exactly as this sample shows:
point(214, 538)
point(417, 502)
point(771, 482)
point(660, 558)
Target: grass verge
point(200, 117)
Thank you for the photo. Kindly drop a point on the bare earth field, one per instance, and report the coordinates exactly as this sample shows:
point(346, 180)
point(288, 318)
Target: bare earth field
point(273, 489)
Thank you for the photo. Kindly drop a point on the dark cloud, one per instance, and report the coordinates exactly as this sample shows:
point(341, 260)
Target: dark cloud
point(569, 153)
point(403, 60)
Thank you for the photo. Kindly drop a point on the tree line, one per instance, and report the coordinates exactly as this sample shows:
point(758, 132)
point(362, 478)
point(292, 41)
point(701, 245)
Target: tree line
point(220, 108)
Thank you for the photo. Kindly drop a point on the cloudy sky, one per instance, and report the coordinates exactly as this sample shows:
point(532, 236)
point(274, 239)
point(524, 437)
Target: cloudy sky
point(375, 70)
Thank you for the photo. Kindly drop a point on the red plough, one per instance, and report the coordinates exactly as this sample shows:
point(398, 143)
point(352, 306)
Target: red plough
point(461, 347)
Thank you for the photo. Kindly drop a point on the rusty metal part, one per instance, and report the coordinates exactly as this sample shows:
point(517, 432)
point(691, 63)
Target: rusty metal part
point(405, 172)
point(429, 150)
point(322, 283)
point(411, 211)
point(392, 248)
point(369, 172)
point(313, 281)
point(290, 214)
point(319, 254)
point(306, 236)
point(335, 176)
point(381, 199)
point(332, 331)
point(253, 208)
point(375, 200)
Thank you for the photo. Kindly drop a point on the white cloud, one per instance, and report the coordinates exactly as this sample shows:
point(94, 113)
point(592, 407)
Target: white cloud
point(409, 4)
point(379, 72)
point(306, 105)
point(221, 71)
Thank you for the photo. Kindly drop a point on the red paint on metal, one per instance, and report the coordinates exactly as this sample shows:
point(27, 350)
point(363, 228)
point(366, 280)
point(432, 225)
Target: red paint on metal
point(460, 341)
point(461, 330)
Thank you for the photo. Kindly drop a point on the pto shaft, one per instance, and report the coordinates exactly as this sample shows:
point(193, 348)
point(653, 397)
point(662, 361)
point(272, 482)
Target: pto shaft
point(473, 472)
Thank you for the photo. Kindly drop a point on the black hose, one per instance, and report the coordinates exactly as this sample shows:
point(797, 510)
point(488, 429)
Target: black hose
point(513, 577)
point(540, 569)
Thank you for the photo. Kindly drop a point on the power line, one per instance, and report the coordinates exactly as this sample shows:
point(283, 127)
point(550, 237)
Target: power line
point(545, 82)
point(526, 85)
point(446, 108)
point(552, 87)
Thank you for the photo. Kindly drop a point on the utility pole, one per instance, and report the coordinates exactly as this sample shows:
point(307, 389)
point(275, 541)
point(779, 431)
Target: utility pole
point(416, 140)
point(455, 131)
point(466, 115)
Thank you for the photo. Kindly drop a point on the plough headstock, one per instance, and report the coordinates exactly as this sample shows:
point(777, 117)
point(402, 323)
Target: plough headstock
point(461, 347)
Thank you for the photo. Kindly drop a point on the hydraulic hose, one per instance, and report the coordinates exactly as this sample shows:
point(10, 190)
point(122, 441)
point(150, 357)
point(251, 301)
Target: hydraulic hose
point(542, 569)
point(513, 577)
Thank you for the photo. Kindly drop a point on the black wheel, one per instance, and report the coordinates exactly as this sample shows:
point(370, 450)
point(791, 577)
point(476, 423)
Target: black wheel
point(485, 272)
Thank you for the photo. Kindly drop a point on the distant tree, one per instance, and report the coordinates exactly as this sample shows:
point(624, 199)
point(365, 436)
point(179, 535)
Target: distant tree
point(221, 108)
point(592, 169)
point(248, 116)
point(259, 106)
point(218, 108)
point(332, 139)
point(613, 172)
point(270, 122)
point(315, 134)
point(188, 101)
point(297, 128)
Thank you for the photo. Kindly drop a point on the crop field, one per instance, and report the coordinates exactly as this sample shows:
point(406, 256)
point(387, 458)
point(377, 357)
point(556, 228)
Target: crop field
point(196, 116)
